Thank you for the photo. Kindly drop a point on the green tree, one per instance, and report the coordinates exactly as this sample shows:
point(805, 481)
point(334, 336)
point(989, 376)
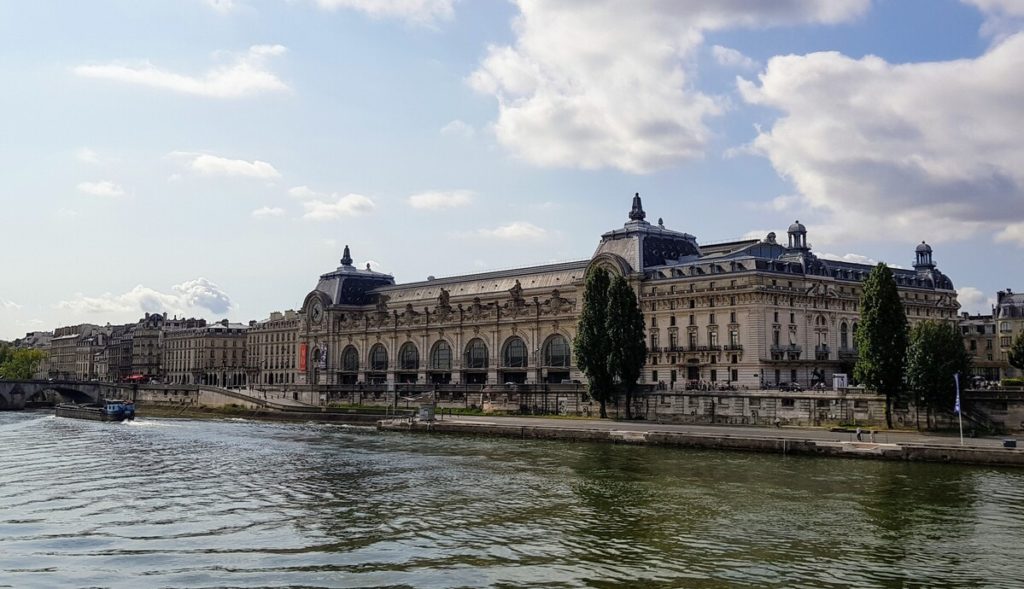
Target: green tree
point(592, 345)
point(882, 338)
point(1016, 355)
point(625, 328)
point(19, 364)
point(935, 354)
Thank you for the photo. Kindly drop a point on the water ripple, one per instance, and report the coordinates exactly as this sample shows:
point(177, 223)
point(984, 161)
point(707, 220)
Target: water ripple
point(235, 503)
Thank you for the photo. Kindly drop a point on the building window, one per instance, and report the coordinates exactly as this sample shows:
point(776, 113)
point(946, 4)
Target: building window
point(654, 376)
point(409, 357)
point(350, 359)
point(654, 321)
point(379, 358)
point(476, 354)
point(792, 318)
point(735, 375)
point(844, 339)
point(556, 352)
point(654, 341)
point(788, 403)
point(711, 319)
point(714, 375)
point(672, 321)
point(515, 355)
point(734, 338)
point(441, 356)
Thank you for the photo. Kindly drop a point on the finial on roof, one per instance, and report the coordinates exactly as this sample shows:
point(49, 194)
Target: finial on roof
point(368, 266)
point(637, 213)
point(346, 257)
point(661, 223)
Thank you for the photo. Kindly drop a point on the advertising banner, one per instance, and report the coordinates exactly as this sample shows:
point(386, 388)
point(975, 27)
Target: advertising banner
point(303, 354)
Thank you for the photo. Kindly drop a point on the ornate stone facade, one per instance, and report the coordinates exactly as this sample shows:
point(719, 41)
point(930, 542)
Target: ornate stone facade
point(744, 314)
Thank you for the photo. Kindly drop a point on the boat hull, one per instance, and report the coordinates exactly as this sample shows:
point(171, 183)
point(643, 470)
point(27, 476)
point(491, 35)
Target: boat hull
point(93, 413)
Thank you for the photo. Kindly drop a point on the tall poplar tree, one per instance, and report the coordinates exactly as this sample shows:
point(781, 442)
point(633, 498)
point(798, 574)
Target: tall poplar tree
point(592, 346)
point(1016, 355)
point(882, 337)
point(935, 354)
point(628, 347)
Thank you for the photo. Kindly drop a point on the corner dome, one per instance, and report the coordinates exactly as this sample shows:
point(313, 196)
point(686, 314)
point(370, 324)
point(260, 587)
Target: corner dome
point(797, 227)
point(923, 248)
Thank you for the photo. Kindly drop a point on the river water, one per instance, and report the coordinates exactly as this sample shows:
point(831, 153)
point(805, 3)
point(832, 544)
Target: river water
point(231, 503)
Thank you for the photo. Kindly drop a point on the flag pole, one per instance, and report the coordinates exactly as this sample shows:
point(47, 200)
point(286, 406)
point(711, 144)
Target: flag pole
point(959, 413)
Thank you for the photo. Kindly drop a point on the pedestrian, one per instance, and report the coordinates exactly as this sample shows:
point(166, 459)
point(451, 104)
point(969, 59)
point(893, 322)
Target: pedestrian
point(858, 434)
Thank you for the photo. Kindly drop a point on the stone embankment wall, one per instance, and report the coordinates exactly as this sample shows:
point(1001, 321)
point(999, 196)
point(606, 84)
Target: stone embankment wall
point(751, 443)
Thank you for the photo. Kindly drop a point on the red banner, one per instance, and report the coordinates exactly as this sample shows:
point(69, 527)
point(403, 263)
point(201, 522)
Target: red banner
point(303, 354)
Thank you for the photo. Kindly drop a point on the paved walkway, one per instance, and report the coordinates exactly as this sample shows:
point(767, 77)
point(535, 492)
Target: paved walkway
point(883, 436)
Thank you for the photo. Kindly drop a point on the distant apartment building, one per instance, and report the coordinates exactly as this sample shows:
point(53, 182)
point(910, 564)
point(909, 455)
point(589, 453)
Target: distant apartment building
point(66, 348)
point(272, 350)
point(211, 354)
point(37, 340)
point(1009, 317)
point(89, 350)
point(979, 335)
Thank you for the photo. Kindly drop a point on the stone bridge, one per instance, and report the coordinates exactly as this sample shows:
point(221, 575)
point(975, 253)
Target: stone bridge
point(15, 393)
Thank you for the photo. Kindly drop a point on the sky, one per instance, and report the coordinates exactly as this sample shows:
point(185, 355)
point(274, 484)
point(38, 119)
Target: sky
point(212, 158)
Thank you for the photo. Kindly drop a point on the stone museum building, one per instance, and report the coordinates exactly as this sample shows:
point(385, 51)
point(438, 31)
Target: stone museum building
point(743, 314)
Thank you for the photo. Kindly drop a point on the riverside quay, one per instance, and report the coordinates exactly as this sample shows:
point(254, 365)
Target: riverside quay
point(741, 315)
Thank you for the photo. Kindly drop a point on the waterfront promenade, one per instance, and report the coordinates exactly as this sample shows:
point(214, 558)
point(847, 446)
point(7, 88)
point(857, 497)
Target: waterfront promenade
point(886, 445)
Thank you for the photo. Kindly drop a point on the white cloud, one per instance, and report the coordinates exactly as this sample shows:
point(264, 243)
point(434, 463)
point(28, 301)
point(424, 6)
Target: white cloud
point(103, 188)
point(423, 12)
point(913, 151)
point(187, 297)
point(88, 156)
point(1013, 233)
point(974, 301)
point(264, 212)
point(350, 205)
point(853, 258)
point(458, 128)
point(1002, 17)
point(515, 230)
point(7, 305)
point(246, 75)
point(221, 6)
point(608, 84)
point(729, 57)
point(305, 192)
point(439, 199)
point(212, 165)
point(63, 212)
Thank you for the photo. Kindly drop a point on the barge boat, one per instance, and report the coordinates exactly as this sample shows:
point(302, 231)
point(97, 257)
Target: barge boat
point(108, 410)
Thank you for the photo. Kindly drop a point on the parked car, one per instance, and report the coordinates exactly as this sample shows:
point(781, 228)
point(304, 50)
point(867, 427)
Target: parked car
point(790, 386)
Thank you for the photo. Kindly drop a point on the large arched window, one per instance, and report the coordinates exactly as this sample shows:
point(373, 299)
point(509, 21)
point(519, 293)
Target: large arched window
point(476, 354)
point(350, 359)
point(556, 352)
point(844, 336)
point(441, 356)
point(408, 357)
point(378, 358)
point(515, 355)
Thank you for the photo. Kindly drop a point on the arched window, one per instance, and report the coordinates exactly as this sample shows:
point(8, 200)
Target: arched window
point(556, 352)
point(350, 359)
point(515, 353)
point(378, 358)
point(476, 354)
point(441, 356)
point(844, 337)
point(409, 357)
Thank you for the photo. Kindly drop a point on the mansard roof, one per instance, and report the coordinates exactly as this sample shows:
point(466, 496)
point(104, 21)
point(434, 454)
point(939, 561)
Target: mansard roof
point(550, 276)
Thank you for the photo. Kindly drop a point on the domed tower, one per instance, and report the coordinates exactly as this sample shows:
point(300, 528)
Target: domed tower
point(797, 236)
point(924, 257)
